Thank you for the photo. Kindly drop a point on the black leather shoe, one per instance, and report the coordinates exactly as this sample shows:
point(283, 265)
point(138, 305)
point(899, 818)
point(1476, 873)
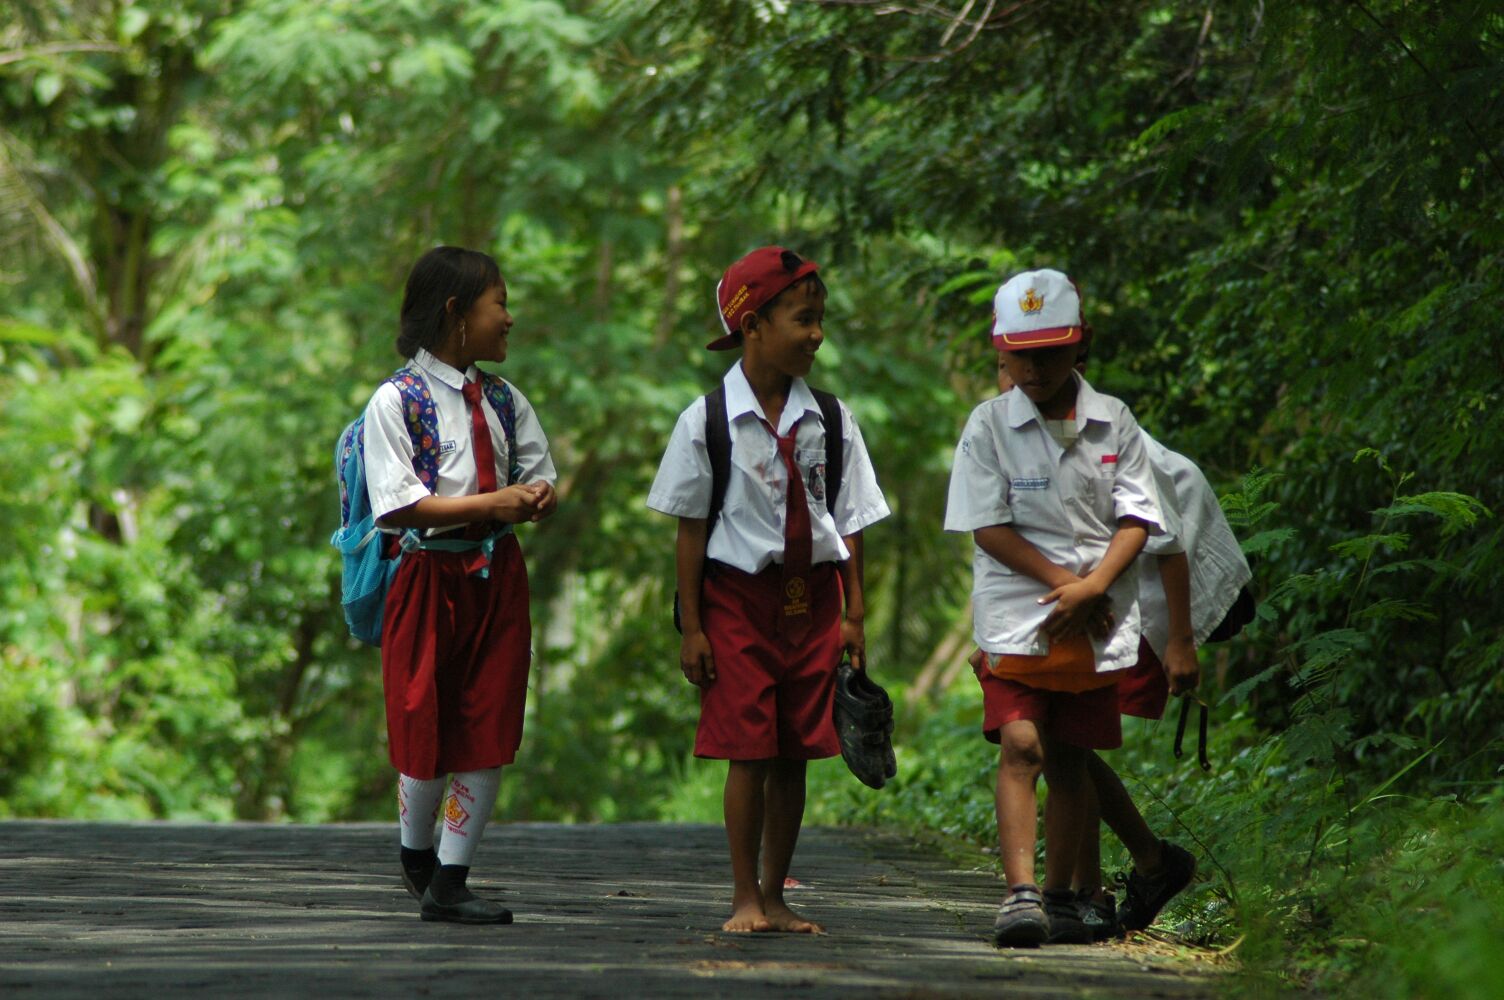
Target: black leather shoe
point(472, 911)
point(863, 716)
point(416, 879)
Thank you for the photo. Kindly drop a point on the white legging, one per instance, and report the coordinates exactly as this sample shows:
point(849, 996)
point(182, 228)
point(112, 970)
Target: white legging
point(467, 809)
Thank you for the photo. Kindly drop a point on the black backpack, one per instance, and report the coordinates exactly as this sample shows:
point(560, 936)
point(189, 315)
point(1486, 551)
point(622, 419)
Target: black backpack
point(718, 445)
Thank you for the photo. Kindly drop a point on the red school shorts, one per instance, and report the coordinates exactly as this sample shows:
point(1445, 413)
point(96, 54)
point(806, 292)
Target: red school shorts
point(455, 652)
point(1144, 690)
point(769, 698)
point(1089, 719)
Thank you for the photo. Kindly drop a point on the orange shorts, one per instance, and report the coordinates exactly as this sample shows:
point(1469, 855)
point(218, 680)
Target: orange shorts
point(1088, 719)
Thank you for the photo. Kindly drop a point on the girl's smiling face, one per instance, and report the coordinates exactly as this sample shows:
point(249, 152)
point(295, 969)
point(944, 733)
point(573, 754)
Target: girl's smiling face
point(487, 324)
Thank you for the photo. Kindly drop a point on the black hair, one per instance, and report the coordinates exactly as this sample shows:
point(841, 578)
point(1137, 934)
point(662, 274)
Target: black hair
point(791, 262)
point(441, 274)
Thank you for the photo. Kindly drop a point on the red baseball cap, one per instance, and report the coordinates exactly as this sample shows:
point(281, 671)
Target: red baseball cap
point(750, 284)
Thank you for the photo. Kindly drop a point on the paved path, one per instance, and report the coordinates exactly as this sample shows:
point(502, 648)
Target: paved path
point(171, 910)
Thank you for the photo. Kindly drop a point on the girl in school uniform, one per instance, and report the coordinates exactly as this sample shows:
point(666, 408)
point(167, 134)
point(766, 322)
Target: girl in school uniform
point(456, 639)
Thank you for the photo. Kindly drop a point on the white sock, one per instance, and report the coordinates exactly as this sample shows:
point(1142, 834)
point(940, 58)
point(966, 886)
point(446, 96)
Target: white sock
point(417, 808)
point(467, 807)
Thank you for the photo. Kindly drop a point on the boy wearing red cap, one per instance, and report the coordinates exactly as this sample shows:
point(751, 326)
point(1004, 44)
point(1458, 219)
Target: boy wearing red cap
point(1053, 482)
point(763, 569)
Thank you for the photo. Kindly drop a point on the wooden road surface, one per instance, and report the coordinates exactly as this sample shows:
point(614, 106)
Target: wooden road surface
point(168, 910)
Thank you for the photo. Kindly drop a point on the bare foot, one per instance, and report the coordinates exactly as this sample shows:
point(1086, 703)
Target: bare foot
point(780, 918)
point(747, 917)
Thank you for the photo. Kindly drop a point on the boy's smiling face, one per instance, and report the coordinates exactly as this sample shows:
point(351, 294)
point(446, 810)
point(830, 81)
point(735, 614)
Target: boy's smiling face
point(1044, 375)
point(792, 331)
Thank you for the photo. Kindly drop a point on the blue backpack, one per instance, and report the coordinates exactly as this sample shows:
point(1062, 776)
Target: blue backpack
point(366, 572)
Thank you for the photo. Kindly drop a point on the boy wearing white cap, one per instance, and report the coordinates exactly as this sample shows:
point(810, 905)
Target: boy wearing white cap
point(1053, 482)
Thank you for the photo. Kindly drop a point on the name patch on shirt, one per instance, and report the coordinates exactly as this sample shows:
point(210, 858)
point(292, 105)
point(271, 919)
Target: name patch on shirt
point(1032, 483)
point(1109, 459)
point(445, 447)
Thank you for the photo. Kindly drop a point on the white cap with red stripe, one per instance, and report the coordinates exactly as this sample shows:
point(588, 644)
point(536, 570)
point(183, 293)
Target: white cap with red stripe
point(1036, 309)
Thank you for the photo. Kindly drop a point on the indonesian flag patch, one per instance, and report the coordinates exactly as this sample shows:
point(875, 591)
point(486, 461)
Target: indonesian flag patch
point(1109, 460)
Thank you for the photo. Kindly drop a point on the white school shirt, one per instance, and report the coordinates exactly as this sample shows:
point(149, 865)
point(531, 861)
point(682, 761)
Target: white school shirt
point(390, 479)
point(749, 534)
point(1064, 502)
point(1218, 568)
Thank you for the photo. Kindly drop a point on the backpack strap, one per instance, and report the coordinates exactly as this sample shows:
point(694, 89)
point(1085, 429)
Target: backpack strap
point(422, 424)
point(718, 446)
point(500, 395)
point(835, 446)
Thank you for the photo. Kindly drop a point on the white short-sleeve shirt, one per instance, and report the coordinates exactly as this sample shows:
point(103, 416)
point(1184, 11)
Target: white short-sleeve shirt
point(1218, 567)
point(749, 533)
point(390, 478)
point(1008, 469)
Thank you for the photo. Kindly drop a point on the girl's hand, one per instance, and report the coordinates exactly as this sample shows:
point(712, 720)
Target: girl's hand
point(854, 641)
point(514, 504)
point(547, 499)
point(1077, 608)
point(696, 660)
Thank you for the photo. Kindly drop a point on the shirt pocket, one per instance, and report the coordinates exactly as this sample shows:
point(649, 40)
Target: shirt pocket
point(811, 463)
point(1097, 482)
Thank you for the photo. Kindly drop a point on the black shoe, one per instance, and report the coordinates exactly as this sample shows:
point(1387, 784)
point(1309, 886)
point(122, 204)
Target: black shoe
point(470, 911)
point(417, 871)
point(1145, 896)
point(863, 715)
point(1100, 917)
point(1064, 913)
point(1021, 921)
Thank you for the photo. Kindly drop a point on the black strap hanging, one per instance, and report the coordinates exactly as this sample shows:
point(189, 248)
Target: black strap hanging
point(1185, 711)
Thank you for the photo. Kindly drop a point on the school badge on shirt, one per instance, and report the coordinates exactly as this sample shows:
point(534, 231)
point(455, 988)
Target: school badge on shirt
point(815, 482)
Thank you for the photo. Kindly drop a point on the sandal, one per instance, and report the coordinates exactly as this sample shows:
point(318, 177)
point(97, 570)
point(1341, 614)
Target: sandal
point(1021, 920)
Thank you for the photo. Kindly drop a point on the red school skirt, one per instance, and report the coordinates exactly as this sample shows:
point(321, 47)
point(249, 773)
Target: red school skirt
point(455, 652)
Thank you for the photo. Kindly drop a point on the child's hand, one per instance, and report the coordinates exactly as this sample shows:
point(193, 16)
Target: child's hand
point(547, 499)
point(1181, 665)
point(854, 641)
point(1077, 605)
point(695, 659)
point(514, 504)
point(977, 659)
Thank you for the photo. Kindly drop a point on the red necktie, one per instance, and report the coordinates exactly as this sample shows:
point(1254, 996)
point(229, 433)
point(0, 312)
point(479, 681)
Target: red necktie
point(795, 620)
point(480, 438)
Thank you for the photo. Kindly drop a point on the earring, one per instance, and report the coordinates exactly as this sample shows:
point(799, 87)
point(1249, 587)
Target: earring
point(462, 333)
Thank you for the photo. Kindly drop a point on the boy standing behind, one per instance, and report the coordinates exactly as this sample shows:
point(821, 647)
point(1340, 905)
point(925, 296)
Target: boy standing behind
point(763, 560)
point(1053, 482)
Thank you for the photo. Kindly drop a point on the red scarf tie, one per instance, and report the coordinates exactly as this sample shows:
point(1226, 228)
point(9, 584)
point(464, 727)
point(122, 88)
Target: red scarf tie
point(795, 621)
